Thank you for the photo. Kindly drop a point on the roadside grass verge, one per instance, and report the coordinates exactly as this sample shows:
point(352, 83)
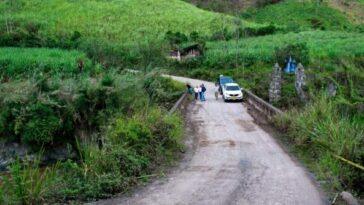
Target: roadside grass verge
point(317, 133)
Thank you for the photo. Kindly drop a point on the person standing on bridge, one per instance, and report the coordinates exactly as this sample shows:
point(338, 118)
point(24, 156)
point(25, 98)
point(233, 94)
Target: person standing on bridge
point(189, 88)
point(197, 92)
point(217, 92)
point(202, 93)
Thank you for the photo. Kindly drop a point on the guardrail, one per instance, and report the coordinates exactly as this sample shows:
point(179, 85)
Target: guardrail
point(260, 105)
point(178, 104)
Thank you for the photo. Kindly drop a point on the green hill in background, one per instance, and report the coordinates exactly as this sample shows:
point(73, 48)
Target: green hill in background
point(296, 14)
point(116, 20)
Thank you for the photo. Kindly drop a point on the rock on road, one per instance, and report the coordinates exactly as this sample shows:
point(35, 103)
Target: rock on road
point(234, 162)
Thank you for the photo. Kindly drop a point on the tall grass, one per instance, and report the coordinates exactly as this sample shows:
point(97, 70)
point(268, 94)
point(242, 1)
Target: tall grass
point(28, 183)
point(320, 132)
point(32, 62)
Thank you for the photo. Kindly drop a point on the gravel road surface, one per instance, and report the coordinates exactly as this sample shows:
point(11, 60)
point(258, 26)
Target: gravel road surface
point(234, 162)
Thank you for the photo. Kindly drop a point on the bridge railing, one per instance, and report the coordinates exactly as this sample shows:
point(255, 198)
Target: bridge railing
point(179, 103)
point(260, 105)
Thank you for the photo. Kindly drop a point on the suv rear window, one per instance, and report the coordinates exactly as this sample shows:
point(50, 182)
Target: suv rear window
point(232, 88)
point(224, 80)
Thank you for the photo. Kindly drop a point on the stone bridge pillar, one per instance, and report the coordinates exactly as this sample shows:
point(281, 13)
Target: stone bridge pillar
point(275, 86)
point(300, 82)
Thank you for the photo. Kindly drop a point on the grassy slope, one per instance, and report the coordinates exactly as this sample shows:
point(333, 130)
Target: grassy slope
point(352, 8)
point(116, 20)
point(303, 14)
point(15, 62)
point(225, 6)
point(321, 44)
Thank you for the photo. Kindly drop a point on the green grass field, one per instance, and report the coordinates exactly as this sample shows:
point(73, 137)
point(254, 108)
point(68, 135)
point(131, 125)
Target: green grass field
point(300, 15)
point(321, 44)
point(117, 20)
point(27, 62)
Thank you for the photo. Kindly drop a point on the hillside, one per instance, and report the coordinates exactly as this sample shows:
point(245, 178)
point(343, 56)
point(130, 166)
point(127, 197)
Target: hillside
point(352, 8)
point(118, 20)
point(224, 6)
point(297, 14)
point(329, 14)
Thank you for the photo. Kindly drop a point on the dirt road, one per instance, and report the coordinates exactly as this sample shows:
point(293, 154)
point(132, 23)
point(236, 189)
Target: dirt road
point(234, 162)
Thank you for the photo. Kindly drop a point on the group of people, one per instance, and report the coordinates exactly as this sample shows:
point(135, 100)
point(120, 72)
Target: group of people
point(199, 91)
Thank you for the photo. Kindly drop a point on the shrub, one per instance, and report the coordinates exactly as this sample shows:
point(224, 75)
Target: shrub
point(299, 52)
point(259, 31)
point(42, 125)
point(263, 3)
point(175, 38)
point(162, 90)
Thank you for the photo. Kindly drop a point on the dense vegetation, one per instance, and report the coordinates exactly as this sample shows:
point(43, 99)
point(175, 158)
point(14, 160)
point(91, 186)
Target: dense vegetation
point(123, 117)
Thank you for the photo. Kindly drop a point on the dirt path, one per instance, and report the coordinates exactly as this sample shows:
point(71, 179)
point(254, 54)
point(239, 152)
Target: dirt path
point(235, 162)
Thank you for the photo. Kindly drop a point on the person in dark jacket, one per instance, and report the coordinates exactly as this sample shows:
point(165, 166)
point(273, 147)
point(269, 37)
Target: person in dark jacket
point(189, 88)
point(202, 93)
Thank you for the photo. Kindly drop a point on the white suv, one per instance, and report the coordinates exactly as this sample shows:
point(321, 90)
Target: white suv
point(232, 91)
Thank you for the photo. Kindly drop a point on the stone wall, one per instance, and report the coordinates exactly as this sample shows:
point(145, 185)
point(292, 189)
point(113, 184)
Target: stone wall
point(11, 151)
